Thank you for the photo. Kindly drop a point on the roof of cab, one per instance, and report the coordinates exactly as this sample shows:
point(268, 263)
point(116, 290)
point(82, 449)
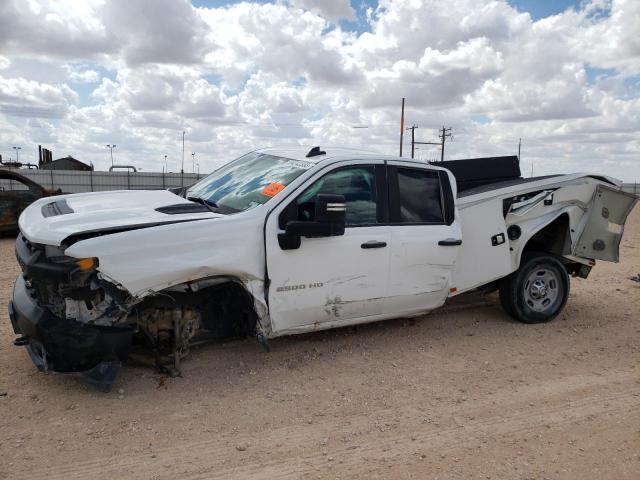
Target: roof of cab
point(300, 153)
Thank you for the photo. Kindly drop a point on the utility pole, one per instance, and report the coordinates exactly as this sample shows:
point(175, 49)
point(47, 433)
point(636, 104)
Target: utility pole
point(444, 134)
point(519, 145)
point(17, 149)
point(193, 162)
point(414, 143)
point(111, 147)
point(413, 139)
point(401, 125)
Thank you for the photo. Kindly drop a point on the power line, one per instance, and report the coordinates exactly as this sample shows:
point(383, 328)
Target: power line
point(444, 133)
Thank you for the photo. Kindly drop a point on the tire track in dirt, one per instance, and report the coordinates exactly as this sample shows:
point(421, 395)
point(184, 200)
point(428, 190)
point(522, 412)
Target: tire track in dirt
point(218, 458)
point(493, 426)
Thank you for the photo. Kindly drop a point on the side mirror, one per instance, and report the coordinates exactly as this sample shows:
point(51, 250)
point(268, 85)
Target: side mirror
point(330, 219)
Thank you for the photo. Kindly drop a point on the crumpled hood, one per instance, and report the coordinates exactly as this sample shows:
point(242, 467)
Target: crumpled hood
point(100, 211)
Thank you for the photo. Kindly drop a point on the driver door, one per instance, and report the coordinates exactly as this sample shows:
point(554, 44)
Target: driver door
point(328, 281)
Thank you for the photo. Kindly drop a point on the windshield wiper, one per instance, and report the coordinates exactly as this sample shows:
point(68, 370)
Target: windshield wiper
point(212, 206)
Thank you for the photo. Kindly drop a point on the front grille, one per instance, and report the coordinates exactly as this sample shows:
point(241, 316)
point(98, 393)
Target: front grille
point(27, 253)
point(25, 250)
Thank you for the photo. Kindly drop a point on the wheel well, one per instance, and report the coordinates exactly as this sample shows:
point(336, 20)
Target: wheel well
point(553, 238)
point(226, 308)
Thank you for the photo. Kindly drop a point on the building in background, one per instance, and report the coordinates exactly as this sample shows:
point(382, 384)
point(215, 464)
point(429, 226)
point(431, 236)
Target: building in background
point(65, 163)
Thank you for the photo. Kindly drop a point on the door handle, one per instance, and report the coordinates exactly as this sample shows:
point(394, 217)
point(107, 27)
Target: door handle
point(373, 244)
point(450, 242)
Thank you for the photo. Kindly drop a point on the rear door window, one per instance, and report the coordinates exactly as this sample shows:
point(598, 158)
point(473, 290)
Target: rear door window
point(419, 197)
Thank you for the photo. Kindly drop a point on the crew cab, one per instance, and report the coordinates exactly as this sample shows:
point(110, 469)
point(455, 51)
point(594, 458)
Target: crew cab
point(285, 241)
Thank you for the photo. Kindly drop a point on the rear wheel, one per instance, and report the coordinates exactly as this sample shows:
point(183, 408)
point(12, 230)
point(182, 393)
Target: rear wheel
point(538, 291)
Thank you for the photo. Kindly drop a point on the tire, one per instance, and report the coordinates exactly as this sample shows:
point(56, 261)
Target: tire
point(536, 292)
point(504, 296)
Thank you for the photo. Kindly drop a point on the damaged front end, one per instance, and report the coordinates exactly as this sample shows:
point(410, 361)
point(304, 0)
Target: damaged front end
point(69, 319)
point(74, 321)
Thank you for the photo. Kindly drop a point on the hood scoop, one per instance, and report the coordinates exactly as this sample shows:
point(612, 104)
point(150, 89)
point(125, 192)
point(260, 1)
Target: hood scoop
point(53, 209)
point(182, 208)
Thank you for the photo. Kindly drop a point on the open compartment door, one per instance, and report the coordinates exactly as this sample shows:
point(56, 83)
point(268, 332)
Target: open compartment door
point(602, 232)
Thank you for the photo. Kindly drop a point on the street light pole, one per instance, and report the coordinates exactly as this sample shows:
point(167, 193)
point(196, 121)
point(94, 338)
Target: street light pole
point(17, 149)
point(401, 125)
point(111, 147)
point(193, 162)
point(165, 163)
point(182, 169)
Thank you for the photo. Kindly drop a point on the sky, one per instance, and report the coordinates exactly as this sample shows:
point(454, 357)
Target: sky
point(563, 76)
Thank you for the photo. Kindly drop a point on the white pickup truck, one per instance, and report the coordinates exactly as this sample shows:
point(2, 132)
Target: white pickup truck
point(283, 241)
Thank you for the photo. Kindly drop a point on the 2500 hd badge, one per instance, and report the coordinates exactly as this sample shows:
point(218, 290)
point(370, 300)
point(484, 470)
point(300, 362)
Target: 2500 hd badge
point(302, 286)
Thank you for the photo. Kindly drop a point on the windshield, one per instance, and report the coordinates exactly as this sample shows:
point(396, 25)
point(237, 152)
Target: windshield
point(247, 181)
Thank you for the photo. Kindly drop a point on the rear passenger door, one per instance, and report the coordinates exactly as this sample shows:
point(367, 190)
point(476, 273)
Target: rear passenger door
point(425, 238)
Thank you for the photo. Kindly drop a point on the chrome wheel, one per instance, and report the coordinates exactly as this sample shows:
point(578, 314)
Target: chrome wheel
point(541, 289)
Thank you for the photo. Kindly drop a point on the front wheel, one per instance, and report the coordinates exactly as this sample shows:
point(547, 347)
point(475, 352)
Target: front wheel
point(536, 292)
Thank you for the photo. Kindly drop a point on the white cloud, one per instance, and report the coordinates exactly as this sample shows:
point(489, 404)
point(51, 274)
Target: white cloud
point(330, 9)
point(64, 28)
point(565, 96)
point(475, 56)
point(27, 98)
point(275, 39)
point(84, 76)
point(612, 42)
point(163, 31)
point(4, 62)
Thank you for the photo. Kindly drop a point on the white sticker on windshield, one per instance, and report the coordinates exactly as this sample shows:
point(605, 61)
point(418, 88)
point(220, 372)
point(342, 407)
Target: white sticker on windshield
point(301, 164)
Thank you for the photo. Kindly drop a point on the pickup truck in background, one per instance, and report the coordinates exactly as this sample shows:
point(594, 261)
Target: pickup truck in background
point(284, 241)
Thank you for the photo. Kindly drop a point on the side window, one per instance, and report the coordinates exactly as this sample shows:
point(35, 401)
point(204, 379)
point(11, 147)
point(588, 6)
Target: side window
point(419, 196)
point(12, 185)
point(357, 184)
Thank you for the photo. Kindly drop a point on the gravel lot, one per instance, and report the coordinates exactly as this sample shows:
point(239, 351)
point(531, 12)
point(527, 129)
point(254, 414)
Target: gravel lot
point(462, 393)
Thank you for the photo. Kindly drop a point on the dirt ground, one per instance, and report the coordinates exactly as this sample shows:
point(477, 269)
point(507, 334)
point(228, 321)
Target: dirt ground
point(462, 393)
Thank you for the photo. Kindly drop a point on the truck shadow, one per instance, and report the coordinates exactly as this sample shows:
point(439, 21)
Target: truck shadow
point(233, 364)
point(238, 361)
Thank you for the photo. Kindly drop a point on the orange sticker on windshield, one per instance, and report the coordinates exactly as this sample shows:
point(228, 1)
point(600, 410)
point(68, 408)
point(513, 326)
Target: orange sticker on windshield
point(272, 189)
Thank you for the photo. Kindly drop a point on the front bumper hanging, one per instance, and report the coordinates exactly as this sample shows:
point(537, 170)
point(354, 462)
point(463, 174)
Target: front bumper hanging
point(91, 352)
